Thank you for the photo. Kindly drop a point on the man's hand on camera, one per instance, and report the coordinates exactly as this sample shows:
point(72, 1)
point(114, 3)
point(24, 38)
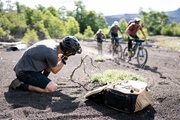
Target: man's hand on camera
point(64, 58)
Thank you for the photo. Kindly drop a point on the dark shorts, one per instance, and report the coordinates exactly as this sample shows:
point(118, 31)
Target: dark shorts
point(34, 78)
point(113, 35)
point(99, 40)
point(130, 41)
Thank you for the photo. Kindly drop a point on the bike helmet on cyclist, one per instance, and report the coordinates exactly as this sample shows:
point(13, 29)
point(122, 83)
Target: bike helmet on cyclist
point(100, 30)
point(116, 23)
point(71, 44)
point(137, 19)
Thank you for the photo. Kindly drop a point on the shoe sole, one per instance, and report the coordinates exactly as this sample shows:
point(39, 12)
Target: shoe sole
point(15, 83)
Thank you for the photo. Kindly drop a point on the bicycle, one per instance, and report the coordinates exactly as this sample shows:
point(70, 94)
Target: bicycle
point(139, 50)
point(117, 48)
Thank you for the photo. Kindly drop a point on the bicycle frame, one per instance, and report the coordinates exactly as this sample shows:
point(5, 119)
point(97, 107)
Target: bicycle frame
point(117, 41)
point(117, 48)
point(135, 48)
point(139, 50)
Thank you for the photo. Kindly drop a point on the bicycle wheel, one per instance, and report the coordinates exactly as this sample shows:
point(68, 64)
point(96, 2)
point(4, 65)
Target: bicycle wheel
point(125, 54)
point(117, 50)
point(142, 56)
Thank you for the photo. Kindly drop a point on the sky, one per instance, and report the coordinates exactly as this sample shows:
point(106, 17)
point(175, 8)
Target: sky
point(108, 7)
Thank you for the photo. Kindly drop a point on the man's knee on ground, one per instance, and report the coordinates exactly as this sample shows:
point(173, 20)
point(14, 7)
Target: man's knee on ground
point(51, 87)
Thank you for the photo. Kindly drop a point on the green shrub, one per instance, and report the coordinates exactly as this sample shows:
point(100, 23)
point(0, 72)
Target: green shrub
point(99, 59)
point(30, 37)
point(88, 33)
point(115, 76)
point(79, 36)
point(2, 32)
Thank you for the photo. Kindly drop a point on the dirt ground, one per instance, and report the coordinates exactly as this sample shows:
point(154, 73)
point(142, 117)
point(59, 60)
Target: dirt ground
point(162, 72)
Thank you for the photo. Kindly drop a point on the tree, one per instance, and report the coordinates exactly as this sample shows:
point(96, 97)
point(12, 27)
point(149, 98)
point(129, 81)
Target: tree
point(37, 16)
point(13, 22)
point(154, 21)
point(41, 8)
point(63, 12)
point(41, 30)
point(91, 20)
point(72, 26)
point(53, 11)
point(2, 32)
point(54, 25)
point(80, 15)
point(96, 21)
point(101, 21)
point(30, 37)
point(1, 7)
point(88, 33)
point(172, 29)
point(123, 24)
point(18, 7)
point(88, 18)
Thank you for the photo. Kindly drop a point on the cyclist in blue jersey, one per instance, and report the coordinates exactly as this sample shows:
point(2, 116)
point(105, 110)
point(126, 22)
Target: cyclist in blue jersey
point(113, 32)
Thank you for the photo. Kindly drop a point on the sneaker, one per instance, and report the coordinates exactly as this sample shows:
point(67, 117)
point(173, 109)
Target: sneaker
point(15, 83)
point(129, 59)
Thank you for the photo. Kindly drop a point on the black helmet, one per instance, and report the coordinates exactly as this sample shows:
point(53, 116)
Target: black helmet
point(71, 44)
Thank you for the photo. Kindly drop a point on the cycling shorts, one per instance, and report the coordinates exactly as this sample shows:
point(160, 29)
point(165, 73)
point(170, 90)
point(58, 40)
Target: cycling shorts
point(113, 35)
point(34, 78)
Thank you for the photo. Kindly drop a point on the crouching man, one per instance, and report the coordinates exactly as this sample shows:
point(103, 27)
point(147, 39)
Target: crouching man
point(39, 60)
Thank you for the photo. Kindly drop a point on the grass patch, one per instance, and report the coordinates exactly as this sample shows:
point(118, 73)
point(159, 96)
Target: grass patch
point(115, 76)
point(169, 42)
point(99, 59)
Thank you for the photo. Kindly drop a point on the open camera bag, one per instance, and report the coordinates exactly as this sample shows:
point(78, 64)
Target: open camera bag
point(126, 96)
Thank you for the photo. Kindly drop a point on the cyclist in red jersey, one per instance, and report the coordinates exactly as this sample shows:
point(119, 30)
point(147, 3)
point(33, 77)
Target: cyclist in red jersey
point(131, 31)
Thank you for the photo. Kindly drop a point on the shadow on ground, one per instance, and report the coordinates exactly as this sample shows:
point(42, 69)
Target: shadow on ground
point(57, 101)
point(145, 114)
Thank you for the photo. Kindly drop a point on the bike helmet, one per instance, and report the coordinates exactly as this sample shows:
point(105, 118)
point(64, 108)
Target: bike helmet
point(116, 23)
point(100, 30)
point(137, 19)
point(71, 44)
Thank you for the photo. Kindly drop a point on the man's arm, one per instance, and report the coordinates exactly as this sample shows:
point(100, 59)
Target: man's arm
point(143, 33)
point(127, 31)
point(95, 36)
point(59, 65)
point(104, 36)
point(120, 30)
point(109, 33)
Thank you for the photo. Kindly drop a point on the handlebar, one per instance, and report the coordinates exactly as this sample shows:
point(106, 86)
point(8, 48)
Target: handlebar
point(118, 38)
point(138, 40)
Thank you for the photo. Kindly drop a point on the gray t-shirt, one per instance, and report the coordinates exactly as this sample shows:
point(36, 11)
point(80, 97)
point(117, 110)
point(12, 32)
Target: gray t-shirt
point(41, 55)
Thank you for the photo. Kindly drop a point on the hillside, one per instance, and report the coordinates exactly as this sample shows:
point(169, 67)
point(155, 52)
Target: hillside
point(174, 16)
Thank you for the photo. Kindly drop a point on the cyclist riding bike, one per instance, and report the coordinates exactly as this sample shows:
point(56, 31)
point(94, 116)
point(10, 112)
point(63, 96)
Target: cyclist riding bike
point(131, 31)
point(99, 38)
point(114, 32)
